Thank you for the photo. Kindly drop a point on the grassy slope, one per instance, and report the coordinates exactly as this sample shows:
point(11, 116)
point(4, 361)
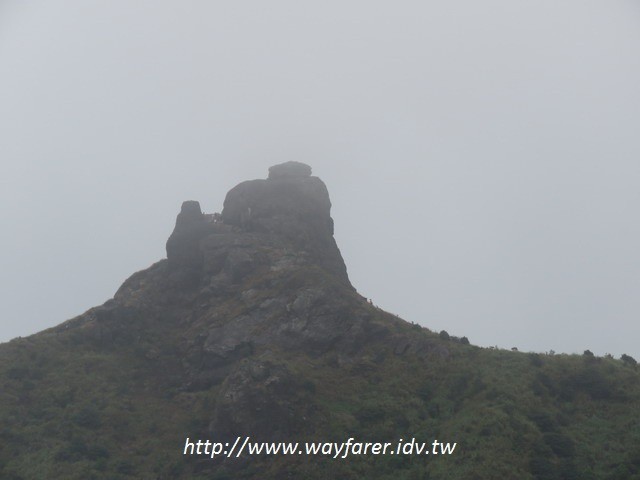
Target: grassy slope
point(71, 410)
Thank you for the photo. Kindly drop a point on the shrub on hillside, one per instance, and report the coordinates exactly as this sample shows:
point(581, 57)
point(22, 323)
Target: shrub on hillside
point(628, 360)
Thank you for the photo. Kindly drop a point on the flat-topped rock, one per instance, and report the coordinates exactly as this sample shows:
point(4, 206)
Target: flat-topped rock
point(289, 170)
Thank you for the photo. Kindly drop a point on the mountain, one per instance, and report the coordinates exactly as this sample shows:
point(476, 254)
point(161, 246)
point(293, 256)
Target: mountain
point(250, 331)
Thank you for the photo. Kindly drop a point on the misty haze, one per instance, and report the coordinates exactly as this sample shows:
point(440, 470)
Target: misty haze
point(363, 191)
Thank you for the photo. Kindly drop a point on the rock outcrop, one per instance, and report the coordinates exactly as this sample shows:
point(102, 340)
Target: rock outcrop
point(183, 246)
point(290, 207)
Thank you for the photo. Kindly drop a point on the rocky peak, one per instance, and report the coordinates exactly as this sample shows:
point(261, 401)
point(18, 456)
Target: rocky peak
point(183, 246)
point(190, 213)
point(290, 205)
point(230, 334)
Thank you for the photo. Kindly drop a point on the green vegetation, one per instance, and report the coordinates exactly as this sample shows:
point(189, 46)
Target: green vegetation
point(113, 394)
point(72, 410)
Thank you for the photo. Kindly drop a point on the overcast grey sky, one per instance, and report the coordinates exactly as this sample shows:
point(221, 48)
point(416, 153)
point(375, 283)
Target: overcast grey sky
point(483, 157)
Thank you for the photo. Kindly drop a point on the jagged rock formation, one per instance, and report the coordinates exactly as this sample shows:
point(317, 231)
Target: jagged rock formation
point(290, 206)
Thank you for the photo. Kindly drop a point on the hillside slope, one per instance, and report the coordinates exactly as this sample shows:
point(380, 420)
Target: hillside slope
point(251, 327)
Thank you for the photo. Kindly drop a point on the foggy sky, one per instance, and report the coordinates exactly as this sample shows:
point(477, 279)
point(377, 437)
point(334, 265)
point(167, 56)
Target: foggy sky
point(483, 158)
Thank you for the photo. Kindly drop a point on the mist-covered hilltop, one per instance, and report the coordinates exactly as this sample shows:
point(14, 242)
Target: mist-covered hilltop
point(251, 328)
